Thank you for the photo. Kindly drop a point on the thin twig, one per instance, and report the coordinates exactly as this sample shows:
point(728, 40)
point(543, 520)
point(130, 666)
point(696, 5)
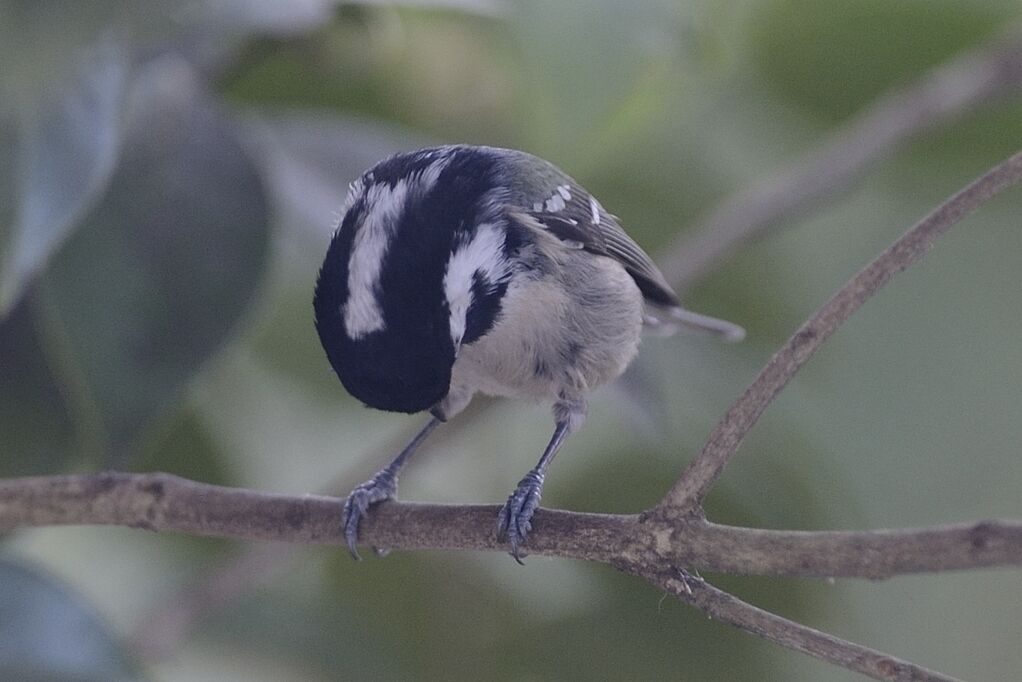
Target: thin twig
point(686, 495)
point(729, 609)
point(943, 94)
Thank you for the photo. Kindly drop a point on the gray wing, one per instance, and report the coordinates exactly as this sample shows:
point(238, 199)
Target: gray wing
point(548, 197)
point(564, 208)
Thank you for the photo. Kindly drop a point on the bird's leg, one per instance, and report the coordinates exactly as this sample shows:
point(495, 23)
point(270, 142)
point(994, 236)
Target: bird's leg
point(380, 487)
point(515, 519)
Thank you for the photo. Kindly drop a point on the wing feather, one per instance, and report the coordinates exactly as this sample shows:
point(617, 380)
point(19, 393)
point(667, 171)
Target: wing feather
point(572, 221)
point(551, 200)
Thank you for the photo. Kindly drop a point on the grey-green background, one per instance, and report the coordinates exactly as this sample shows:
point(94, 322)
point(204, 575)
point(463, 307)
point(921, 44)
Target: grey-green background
point(169, 176)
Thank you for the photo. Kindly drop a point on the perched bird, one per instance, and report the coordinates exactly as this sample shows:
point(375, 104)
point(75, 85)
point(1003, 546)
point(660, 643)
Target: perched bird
point(458, 270)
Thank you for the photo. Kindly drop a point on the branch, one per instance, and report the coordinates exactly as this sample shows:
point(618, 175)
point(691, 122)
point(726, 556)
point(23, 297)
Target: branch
point(161, 630)
point(949, 91)
point(729, 609)
point(165, 503)
point(645, 546)
point(686, 495)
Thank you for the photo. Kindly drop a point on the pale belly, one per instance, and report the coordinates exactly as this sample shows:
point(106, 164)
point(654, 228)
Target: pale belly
point(556, 343)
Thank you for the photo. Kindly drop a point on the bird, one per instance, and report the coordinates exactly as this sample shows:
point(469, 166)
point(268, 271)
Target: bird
point(461, 269)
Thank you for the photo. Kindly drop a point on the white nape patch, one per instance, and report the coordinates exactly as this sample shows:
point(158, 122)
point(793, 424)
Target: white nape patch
point(382, 214)
point(485, 254)
point(423, 181)
point(383, 206)
point(594, 206)
point(355, 189)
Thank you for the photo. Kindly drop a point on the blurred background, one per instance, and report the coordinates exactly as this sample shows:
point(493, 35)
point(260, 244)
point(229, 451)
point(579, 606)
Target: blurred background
point(169, 176)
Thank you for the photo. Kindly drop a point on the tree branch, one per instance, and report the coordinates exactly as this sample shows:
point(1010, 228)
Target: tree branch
point(729, 609)
point(165, 503)
point(686, 495)
point(646, 546)
point(160, 631)
point(949, 91)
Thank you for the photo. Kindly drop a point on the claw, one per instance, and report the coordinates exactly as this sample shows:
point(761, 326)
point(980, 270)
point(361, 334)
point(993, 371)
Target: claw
point(382, 486)
point(515, 518)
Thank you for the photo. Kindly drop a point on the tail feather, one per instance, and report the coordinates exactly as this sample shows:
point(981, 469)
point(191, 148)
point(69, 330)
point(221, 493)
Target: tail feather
point(668, 320)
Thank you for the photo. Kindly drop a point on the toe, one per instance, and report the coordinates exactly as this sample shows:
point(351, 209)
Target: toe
point(352, 515)
point(378, 489)
point(515, 519)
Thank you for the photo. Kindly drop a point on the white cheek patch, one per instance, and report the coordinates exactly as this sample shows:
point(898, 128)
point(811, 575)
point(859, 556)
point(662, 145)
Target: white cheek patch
point(483, 254)
point(383, 207)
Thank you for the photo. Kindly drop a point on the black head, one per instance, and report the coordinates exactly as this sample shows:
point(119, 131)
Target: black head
point(415, 269)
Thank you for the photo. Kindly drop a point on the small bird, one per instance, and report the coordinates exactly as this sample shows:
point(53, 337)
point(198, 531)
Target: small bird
point(461, 269)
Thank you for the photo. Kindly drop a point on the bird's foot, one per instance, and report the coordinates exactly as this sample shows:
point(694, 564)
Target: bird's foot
point(515, 519)
point(382, 486)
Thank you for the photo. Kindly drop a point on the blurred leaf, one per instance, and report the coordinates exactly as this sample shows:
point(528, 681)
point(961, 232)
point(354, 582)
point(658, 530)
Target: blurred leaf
point(35, 419)
point(61, 93)
point(597, 72)
point(261, 15)
point(187, 449)
point(309, 160)
point(298, 16)
point(42, 44)
point(834, 57)
point(417, 68)
point(310, 633)
point(152, 284)
point(49, 634)
point(57, 151)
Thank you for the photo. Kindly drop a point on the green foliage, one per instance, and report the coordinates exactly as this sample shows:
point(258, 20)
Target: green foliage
point(157, 274)
point(59, 141)
point(832, 57)
point(49, 633)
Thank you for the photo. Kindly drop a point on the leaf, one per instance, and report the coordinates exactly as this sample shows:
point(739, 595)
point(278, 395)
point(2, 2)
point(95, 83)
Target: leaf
point(35, 419)
point(614, 63)
point(155, 280)
point(49, 633)
point(57, 151)
point(309, 160)
point(832, 57)
point(262, 15)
